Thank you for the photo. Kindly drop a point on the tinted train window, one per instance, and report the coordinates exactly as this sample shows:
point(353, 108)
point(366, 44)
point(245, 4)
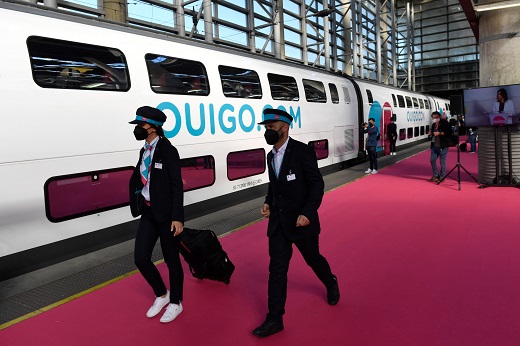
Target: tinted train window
point(402, 134)
point(409, 103)
point(321, 148)
point(421, 104)
point(176, 76)
point(370, 98)
point(334, 96)
point(197, 172)
point(237, 82)
point(427, 129)
point(409, 133)
point(395, 101)
point(426, 104)
point(346, 94)
point(401, 101)
point(314, 91)
point(283, 87)
point(415, 103)
point(71, 196)
point(71, 65)
point(241, 164)
point(422, 130)
point(416, 131)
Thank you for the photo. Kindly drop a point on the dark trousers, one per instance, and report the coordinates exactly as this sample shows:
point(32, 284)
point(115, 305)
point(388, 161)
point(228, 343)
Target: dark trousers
point(393, 139)
point(280, 252)
point(147, 234)
point(372, 156)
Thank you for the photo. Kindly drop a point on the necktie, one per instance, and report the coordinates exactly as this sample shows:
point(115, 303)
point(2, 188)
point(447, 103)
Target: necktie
point(145, 163)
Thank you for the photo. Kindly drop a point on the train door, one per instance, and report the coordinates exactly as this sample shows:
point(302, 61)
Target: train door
point(386, 116)
point(376, 112)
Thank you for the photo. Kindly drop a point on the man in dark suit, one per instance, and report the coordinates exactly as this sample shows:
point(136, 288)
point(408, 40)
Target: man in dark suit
point(391, 132)
point(293, 197)
point(156, 193)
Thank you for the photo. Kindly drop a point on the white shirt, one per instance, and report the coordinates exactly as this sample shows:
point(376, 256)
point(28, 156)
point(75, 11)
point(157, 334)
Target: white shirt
point(278, 157)
point(146, 189)
point(509, 107)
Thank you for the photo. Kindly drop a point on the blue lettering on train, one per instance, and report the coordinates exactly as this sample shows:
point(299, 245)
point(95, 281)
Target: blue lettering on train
point(213, 118)
point(414, 116)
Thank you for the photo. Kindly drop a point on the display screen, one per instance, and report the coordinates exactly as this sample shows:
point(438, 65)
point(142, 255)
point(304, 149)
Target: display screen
point(492, 106)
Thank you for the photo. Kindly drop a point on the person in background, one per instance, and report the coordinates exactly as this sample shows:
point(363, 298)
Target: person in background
point(156, 193)
point(503, 104)
point(391, 132)
point(294, 194)
point(372, 131)
point(472, 139)
point(440, 131)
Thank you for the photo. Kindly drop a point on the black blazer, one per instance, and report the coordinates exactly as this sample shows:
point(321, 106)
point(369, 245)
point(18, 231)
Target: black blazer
point(298, 190)
point(166, 190)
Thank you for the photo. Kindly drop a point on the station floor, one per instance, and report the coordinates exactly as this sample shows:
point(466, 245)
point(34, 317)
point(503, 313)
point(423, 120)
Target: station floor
point(23, 295)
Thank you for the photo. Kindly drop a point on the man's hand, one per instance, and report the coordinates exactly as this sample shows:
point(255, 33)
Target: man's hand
point(265, 211)
point(302, 221)
point(177, 227)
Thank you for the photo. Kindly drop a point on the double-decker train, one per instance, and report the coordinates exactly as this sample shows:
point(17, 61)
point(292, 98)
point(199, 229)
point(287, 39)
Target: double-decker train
point(69, 85)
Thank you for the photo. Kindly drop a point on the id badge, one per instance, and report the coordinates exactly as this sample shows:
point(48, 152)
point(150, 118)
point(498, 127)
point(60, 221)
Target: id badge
point(158, 165)
point(291, 177)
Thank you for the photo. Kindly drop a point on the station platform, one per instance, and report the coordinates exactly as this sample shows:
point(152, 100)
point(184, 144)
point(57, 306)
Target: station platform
point(417, 264)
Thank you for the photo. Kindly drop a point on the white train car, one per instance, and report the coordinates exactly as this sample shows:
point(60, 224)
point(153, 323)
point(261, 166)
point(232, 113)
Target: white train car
point(69, 85)
point(411, 111)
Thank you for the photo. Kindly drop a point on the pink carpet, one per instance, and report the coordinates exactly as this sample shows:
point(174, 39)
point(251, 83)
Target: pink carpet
point(417, 264)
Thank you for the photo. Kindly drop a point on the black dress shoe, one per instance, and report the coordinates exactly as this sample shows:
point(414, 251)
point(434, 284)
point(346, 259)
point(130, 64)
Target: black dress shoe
point(333, 293)
point(268, 328)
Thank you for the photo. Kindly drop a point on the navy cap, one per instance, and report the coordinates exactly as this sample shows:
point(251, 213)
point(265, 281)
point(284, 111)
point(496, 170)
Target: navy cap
point(271, 114)
point(150, 115)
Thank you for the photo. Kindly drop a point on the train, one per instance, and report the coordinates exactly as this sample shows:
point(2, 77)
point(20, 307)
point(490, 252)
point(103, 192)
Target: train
point(70, 83)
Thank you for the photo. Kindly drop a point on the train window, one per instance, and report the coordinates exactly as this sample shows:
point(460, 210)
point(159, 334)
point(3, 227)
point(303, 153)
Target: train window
point(314, 91)
point(72, 196)
point(422, 130)
point(283, 87)
point(416, 131)
point(415, 103)
point(400, 98)
point(395, 101)
point(426, 104)
point(197, 172)
point(346, 94)
point(334, 96)
point(71, 65)
point(402, 134)
point(409, 132)
point(447, 106)
point(241, 164)
point(408, 102)
point(321, 148)
point(241, 83)
point(170, 75)
point(370, 98)
point(421, 104)
point(427, 129)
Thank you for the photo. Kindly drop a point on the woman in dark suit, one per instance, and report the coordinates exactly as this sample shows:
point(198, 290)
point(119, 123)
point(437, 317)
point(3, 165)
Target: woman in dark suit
point(293, 197)
point(156, 193)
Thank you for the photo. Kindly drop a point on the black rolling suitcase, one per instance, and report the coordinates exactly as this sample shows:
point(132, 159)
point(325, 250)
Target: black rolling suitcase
point(202, 251)
point(463, 146)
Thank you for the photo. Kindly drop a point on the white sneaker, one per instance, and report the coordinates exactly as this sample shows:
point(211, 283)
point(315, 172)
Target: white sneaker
point(374, 171)
point(158, 304)
point(172, 311)
point(368, 171)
